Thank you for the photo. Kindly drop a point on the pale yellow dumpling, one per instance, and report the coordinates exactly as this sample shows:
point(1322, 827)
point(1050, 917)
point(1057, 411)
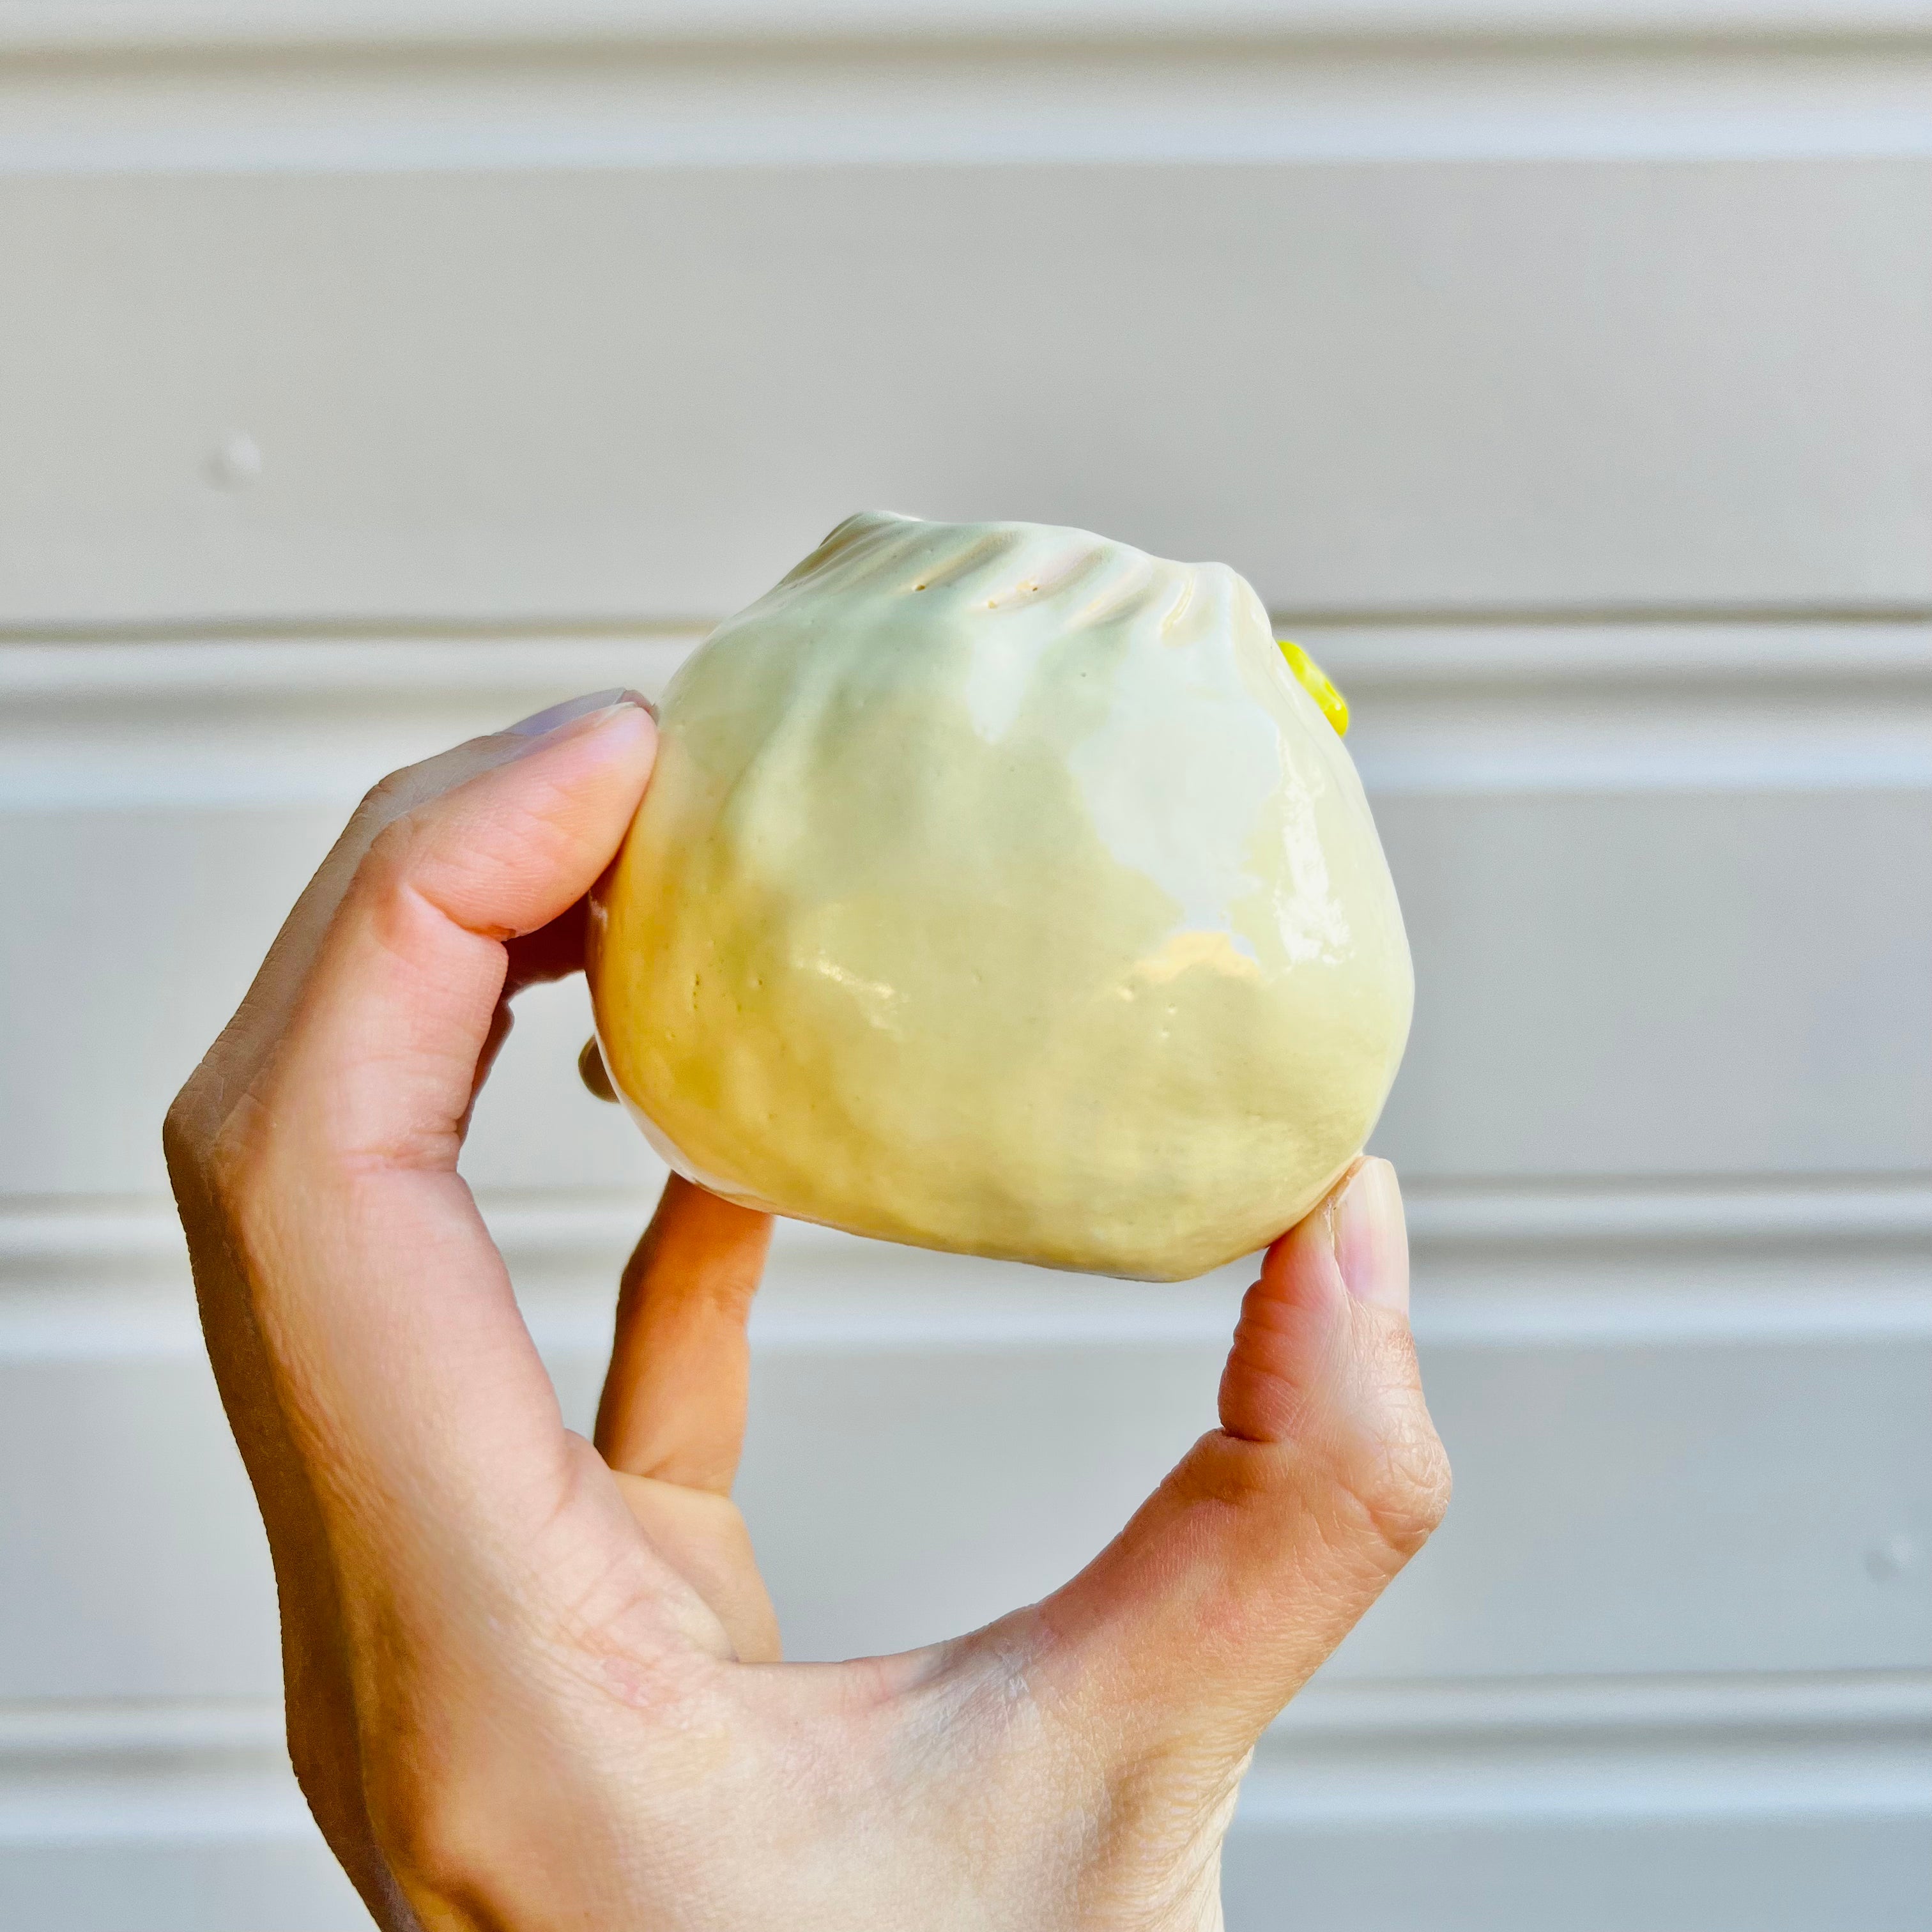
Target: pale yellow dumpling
point(1001, 888)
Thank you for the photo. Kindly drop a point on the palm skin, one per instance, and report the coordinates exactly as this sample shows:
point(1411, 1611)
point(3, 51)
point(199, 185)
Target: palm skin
point(533, 1682)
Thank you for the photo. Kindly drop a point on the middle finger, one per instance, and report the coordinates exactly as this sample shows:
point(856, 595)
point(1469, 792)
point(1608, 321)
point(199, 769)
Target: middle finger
point(674, 1397)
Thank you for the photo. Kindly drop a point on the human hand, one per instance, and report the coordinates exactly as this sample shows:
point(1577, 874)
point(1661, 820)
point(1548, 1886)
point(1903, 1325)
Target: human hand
point(531, 1682)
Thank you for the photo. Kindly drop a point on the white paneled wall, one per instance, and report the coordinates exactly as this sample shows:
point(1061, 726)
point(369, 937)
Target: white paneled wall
point(370, 377)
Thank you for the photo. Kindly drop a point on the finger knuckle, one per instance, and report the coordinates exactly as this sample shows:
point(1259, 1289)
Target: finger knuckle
point(411, 786)
point(184, 1134)
point(1400, 1474)
point(386, 859)
point(390, 797)
point(385, 887)
point(211, 1144)
point(1403, 1490)
point(380, 826)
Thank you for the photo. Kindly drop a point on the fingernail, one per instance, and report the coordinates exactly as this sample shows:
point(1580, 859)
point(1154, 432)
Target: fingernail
point(572, 709)
point(1371, 1237)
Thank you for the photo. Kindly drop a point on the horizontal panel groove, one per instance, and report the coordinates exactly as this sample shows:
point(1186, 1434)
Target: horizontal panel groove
point(280, 670)
point(90, 1731)
point(1746, 1216)
point(287, 664)
point(1298, 111)
point(1436, 1715)
point(37, 25)
point(1636, 1267)
point(1474, 709)
point(1732, 655)
point(1872, 1700)
point(1343, 1756)
point(1596, 1750)
point(1671, 1789)
point(1619, 645)
point(173, 647)
point(86, 1235)
point(573, 1327)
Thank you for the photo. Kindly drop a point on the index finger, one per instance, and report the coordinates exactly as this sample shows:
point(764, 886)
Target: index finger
point(333, 1111)
point(248, 1039)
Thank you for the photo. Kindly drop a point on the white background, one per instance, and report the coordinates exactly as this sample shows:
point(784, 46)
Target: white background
point(1560, 370)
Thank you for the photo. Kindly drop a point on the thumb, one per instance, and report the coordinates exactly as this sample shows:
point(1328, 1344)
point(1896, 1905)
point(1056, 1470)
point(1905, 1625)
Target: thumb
point(1260, 1551)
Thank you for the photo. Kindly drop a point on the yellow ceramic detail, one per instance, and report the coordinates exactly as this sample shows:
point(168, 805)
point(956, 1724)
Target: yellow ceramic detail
point(999, 889)
point(1316, 682)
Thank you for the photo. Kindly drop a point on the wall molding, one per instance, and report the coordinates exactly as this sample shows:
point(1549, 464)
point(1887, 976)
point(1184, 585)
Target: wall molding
point(1596, 1750)
point(116, 1236)
point(1344, 1752)
point(1899, 1702)
point(284, 666)
point(1757, 1263)
point(65, 25)
point(1681, 654)
point(1465, 1710)
point(1442, 707)
point(347, 87)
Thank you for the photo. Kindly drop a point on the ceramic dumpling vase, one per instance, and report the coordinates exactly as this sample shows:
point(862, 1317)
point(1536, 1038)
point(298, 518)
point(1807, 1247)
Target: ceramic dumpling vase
point(1004, 889)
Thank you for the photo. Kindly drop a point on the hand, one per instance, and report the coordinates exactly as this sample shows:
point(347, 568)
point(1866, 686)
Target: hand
point(533, 1683)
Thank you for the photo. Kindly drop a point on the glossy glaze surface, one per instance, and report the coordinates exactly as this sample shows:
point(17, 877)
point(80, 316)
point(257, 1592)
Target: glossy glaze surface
point(1001, 888)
